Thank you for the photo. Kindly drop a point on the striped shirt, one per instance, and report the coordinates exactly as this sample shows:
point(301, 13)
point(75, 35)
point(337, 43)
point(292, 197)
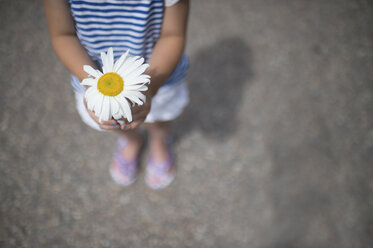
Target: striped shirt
point(122, 25)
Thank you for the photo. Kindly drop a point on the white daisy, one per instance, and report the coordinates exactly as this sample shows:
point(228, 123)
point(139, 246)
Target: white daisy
point(109, 90)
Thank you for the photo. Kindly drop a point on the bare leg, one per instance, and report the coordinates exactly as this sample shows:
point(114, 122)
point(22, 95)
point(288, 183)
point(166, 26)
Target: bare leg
point(123, 169)
point(132, 149)
point(160, 170)
point(158, 132)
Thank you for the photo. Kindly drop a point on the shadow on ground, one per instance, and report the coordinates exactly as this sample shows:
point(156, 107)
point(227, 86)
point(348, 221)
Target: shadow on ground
point(216, 79)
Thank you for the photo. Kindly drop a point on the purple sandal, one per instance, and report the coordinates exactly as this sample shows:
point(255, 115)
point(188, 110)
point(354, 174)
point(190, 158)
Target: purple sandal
point(124, 172)
point(160, 174)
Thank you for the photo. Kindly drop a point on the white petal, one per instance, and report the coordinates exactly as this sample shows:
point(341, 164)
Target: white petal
point(118, 113)
point(127, 69)
point(126, 63)
point(125, 107)
point(142, 79)
point(90, 105)
point(138, 94)
point(135, 65)
point(114, 105)
point(89, 91)
point(88, 81)
point(90, 98)
point(88, 69)
point(105, 112)
point(137, 72)
point(104, 62)
point(118, 116)
point(120, 61)
point(98, 104)
point(110, 60)
point(135, 100)
point(135, 96)
point(138, 87)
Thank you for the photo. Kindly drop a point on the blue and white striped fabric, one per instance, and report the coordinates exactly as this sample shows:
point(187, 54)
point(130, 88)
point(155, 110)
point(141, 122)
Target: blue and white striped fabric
point(121, 24)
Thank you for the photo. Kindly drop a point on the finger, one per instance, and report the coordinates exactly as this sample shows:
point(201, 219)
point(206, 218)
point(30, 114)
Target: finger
point(137, 119)
point(134, 124)
point(108, 127)
point(111, 122)
point(122, 121)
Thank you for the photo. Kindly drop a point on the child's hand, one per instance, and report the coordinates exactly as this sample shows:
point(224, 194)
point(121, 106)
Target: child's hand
point(139, 113)
point(107, 125)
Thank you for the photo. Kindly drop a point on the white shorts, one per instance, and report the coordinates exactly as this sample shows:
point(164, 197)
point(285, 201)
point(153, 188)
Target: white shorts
point(167, 104)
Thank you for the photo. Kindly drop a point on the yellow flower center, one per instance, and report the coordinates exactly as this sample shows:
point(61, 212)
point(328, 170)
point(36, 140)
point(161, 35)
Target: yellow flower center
point(110, 84)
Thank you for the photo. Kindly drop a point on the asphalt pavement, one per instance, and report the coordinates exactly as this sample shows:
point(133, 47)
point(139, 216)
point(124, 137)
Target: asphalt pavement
point(275, 149)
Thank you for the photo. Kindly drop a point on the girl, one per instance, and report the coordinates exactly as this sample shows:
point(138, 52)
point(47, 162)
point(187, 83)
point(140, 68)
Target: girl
point(153, 29)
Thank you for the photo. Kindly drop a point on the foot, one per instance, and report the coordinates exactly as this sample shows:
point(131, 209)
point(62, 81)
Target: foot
point(159, 149)
point(123, 169)
point(160, 171)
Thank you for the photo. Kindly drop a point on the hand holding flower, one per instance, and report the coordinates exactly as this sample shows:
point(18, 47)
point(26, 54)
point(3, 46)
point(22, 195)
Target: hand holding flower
point(111, 93)
point(106, 125)
point(139, 113)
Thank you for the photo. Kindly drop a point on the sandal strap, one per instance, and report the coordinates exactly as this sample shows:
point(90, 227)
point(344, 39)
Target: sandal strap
point(125, 166)
point(121, 143)
point(160, 168)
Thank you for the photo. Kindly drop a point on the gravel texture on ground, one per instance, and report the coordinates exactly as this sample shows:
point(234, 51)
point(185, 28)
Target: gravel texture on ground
point(275, 149)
